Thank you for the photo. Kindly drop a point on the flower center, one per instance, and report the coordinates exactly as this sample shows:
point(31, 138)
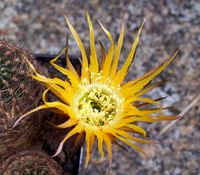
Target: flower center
point(97, 104)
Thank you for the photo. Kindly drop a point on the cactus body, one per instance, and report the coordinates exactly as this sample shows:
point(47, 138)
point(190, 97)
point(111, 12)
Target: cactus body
point(18, 94)
point(30, 162)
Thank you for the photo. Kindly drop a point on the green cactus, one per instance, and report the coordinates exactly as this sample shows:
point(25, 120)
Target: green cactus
point(30, 162)
point(18, 94)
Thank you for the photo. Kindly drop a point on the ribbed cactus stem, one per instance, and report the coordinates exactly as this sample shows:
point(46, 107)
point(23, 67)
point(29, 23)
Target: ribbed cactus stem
point(18, 94)
point(30, 162)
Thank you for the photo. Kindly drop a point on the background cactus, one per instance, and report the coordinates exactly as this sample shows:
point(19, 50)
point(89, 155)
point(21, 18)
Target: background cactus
point(18, 94)
point(30, 162)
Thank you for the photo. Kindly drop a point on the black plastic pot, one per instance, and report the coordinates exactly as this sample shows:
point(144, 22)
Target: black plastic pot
point(75, 60)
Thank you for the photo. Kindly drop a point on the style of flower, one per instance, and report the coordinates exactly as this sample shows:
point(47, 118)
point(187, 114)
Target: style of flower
point(99, 104)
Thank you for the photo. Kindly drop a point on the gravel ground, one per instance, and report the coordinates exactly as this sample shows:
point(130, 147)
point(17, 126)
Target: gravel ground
point(40, 26)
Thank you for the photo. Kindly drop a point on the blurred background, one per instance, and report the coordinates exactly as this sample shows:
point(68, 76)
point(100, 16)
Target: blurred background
point(170, 24)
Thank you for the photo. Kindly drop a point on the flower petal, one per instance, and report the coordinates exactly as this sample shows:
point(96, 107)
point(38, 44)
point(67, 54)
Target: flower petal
point(134, 86)
point(93, 57)
point(149, 88)
point(137, 129)
point(130, 137)
point(108, 143)
point(89, 133)
point(123, 71)
point(103, 55)
point(138, 118)
point(117, 52)
point(142, 112)
point(135, 147)
point(84, 71)
point(69, 64)
point(66, 124)
point(99, 135)
point(115, 133)
point(58, 105)
point(109, 56)
point(77, 129)
point(30, 112)
point(135, 98)
point(73, 79)
point(56, 89)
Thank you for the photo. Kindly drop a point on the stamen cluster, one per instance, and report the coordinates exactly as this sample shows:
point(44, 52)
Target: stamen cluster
point(96, 105)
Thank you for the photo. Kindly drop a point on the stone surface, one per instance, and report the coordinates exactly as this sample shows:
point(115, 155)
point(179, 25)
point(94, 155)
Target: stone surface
point(40, 26)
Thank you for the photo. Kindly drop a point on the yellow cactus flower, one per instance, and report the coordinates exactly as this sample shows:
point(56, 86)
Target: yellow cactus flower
point(98, 102)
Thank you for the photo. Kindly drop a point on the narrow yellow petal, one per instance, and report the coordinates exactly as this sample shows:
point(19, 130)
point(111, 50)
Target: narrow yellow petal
point(69, 64)
point(136, 80)
point(146, 118)
point(63, 95)
point(130, 107)
point(58, 105)
point(65, 85)
point(167, 118)
point(49, 82)
point(149, 88)
point(30, 112)
point(130, 137)
point(92, 139)
point(151, 110)
point(64, 108)
point(93, 56)
point(115, 133)
point(84, 71)
point(128, 84)
point(66, 124)
point(103, 55)
point(123, 71)
point(79, 140)
point(73, 79)
point(134, 99)
point(133, 127)
point(138, 118)
point(109, 56)
point(136, 86)
point(117, 52)
point(137, 129)
point(142, 112)
point(77, 129)
point(144, 104)
point(57, 111)
point(135, 147)
point(30, 64)
point(71, 67)
point(88, 146)
point(110, 130)
point(109, 148)
point(99, 135)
